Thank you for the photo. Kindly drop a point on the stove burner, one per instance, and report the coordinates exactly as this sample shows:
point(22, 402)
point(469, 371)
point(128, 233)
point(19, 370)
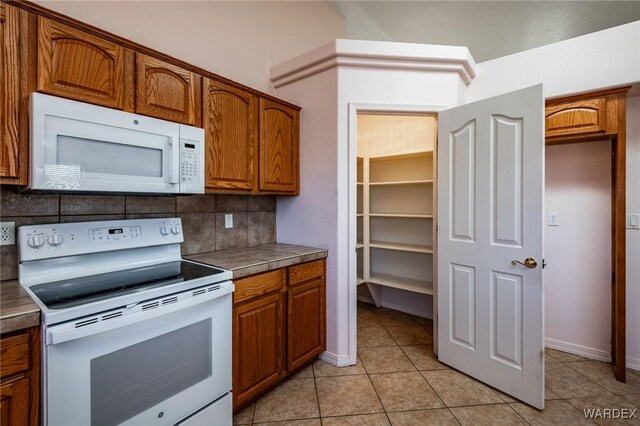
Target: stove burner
point(93, 288)
point(79, 296)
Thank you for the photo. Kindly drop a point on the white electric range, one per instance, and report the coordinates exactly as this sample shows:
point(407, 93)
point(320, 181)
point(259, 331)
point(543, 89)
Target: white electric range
point(131, 333)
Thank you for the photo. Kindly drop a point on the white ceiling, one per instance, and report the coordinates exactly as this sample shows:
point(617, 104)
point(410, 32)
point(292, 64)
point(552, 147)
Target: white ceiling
point(490, 29)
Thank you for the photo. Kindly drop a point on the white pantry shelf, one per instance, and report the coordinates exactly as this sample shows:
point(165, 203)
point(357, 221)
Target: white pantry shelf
point(415, 248)
point(403, 182)
point(405, 215)
point(402, 283)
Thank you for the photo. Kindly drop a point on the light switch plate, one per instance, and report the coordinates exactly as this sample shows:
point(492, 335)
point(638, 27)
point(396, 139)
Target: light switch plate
point(633, 221)
point(553, 219)
point(228, 220)
point(7, 233)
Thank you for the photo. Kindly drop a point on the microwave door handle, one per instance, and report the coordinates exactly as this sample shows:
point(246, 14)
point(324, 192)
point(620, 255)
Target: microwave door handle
point(175, 160)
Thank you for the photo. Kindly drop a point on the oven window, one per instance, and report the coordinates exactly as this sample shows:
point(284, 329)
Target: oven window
point(129, 381)
point(96, 156)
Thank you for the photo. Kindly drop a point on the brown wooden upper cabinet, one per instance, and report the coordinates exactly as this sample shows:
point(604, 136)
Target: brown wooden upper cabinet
point(166, 91)
point(78, 65)
point(578, 117)
point(279, 144)
point(230, 121)
point(9, 90)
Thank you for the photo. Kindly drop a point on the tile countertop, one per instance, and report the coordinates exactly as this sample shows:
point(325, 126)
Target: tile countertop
point(18, 311)
point(254, 260)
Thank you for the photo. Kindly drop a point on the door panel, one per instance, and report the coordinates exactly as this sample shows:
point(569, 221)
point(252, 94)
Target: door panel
point(462, 182)
point(506, 176)
point(490, 186)
point(462, 305)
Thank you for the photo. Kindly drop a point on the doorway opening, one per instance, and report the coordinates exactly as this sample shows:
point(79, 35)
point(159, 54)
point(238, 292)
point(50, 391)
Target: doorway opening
point(392, 209)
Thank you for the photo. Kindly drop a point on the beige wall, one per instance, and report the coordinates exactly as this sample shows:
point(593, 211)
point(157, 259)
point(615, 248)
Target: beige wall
point(238, 40)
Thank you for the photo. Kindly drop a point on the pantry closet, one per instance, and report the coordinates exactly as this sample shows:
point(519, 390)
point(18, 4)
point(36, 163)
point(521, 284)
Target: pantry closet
point(396, 210)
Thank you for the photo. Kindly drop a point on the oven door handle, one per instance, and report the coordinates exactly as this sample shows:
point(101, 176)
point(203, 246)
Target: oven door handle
point(85, 327)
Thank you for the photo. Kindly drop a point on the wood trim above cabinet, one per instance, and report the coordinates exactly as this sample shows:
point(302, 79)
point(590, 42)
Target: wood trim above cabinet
point(166, 91)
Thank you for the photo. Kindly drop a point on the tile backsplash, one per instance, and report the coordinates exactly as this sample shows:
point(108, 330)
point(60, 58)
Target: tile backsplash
point(254, 217)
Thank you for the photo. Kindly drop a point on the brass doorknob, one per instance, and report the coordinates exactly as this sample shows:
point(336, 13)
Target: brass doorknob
point(529, 262)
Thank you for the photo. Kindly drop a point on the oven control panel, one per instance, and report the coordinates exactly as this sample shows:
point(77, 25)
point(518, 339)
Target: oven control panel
point(102, 235)
point(70, 239)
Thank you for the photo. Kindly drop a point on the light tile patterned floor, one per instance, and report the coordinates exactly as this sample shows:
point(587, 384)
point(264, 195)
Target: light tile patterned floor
point(398, 381)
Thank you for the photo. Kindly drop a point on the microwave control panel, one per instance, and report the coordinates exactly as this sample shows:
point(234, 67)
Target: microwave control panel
point(189, 162)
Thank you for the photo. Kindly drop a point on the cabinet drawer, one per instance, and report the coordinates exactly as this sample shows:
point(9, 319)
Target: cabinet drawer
point(14, 354)
point(301, 273)
point(247, 288)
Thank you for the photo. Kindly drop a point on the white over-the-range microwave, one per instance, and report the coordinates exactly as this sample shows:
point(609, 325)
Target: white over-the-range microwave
point(78, 147)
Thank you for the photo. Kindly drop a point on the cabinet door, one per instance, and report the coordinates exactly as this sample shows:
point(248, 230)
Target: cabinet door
point(167, 91)
point(258, 346)
point(583, 116)
point(279, 144)
point(306, 322)
point(77, 65)
point(9, 90)
point(230, 122)
point(14, 403)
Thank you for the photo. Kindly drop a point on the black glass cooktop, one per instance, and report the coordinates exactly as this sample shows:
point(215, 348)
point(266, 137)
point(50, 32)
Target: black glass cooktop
point(92, 288)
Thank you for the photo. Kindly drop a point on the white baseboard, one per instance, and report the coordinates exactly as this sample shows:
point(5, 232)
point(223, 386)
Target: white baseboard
point(333, 359)
point(583, 351)
point(633, 363)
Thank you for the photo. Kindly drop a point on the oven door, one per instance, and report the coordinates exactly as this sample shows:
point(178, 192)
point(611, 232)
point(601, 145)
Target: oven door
point(81, 147)
point(154, 371)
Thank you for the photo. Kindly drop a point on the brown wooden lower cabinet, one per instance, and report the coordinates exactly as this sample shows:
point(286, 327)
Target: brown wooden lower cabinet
point(19, 377)
point(306, 322)
point(14, 402)
point(258, 351)
point(277, 333)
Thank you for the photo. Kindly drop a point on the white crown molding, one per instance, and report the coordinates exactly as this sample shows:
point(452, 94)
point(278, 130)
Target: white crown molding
point(376, 54)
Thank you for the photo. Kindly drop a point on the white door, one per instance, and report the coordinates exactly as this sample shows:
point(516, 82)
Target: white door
point(490, 190)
